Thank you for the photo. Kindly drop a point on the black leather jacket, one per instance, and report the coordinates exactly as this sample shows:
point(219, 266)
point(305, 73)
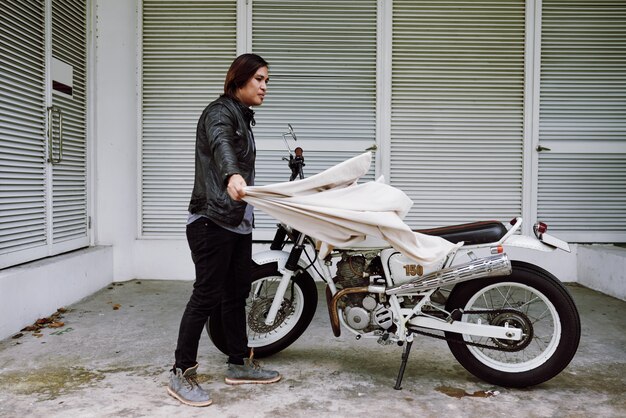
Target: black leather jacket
point(224, 146)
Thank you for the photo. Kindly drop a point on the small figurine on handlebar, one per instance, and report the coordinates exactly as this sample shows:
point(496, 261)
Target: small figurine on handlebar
point(295, 164)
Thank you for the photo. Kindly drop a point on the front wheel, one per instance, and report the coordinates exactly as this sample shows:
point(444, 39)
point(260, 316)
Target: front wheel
point(531, 299)
point(294, 315)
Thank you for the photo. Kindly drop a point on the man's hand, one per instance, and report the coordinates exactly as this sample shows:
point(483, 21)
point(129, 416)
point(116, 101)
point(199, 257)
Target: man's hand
point(236, 185)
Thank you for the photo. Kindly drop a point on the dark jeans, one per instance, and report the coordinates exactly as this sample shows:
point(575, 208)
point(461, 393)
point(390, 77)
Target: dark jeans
point(223, 275)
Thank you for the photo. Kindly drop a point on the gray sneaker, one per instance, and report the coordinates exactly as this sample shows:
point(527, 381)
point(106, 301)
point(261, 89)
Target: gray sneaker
point(250, 372)
point(185, 388)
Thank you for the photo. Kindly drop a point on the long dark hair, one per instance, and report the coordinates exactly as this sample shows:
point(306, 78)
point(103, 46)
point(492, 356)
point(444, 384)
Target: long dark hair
point(241, 70)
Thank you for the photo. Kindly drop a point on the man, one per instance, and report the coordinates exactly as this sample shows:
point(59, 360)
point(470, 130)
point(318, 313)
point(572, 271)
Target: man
point(219, 231)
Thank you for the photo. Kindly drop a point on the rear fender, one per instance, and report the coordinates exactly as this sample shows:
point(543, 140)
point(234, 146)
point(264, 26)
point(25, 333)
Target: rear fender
point(532, 243)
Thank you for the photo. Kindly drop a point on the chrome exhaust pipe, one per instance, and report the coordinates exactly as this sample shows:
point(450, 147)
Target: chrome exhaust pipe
point(496, 265)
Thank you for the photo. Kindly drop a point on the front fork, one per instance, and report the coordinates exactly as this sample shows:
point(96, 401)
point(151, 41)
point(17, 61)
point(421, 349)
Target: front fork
point(290, 270)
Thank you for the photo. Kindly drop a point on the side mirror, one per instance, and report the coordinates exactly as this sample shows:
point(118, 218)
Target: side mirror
point(291, 132)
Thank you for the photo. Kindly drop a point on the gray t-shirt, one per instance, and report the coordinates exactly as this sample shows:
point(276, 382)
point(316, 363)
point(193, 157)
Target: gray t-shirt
point(245, 227)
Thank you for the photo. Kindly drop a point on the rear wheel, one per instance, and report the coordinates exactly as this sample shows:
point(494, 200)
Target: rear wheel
point(530, 299)
point(294, 315)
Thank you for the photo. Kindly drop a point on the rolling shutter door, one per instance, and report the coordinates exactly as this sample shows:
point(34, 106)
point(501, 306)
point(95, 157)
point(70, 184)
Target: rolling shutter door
point(457, 109)
point(322, 57)
point(582, 179)
point(187, 49)
point(69, 178)
point(22, 129)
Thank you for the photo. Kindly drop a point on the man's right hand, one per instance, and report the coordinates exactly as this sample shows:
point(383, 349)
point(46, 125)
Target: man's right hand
point(236, 187)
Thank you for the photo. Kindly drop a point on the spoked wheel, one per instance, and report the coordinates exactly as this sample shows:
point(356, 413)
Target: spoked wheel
point(294, 315)
point(530, 299)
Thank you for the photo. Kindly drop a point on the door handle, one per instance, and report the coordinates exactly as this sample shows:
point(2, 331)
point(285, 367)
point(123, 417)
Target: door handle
point(52, 110)
point(541, 148)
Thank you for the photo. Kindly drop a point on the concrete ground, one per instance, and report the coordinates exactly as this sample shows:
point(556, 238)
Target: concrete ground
point(111, 354)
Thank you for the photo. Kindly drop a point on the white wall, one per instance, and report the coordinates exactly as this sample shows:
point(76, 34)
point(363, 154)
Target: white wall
point(35, 290)
point(603, 268)
point(116, 146)
point(163, 259)
point(115, 123)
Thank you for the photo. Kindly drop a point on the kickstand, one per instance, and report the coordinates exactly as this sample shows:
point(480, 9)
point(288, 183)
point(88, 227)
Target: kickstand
point(405, 357)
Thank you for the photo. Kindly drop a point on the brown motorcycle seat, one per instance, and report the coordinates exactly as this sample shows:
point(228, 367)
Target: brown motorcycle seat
point(472, 233)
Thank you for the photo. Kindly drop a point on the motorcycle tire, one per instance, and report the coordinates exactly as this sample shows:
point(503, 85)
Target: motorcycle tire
point(549, 319)
point(294, 317)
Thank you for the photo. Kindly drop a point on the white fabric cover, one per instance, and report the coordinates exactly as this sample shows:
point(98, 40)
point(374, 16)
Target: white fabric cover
point(331, 207)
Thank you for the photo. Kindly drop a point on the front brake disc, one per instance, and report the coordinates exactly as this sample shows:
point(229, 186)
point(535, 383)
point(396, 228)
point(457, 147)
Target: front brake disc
point(258, 313)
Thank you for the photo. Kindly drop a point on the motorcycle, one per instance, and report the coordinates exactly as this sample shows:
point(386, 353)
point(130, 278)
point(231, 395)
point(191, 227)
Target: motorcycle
point(509, 323)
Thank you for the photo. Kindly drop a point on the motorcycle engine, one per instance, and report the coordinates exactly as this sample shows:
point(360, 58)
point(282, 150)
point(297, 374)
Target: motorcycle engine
point(361, 311)
point(352, 270)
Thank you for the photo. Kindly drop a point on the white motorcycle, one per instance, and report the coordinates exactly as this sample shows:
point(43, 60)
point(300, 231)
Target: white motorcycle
point(510, 323)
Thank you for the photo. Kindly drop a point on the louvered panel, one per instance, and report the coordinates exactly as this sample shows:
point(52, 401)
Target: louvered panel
point(582, 180)
point(69, 180)
point(187, 49)
point(457, 109)
point(270, 168)
point(322, 57)
point(583, 192)
point(22, 109)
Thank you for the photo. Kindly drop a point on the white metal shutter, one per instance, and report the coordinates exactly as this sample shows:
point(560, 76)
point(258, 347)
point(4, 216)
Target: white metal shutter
point(582, 179)
point(322, 57)
point(69, 178)
point(22, 129)
point(187, 49)
point(457, 109)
